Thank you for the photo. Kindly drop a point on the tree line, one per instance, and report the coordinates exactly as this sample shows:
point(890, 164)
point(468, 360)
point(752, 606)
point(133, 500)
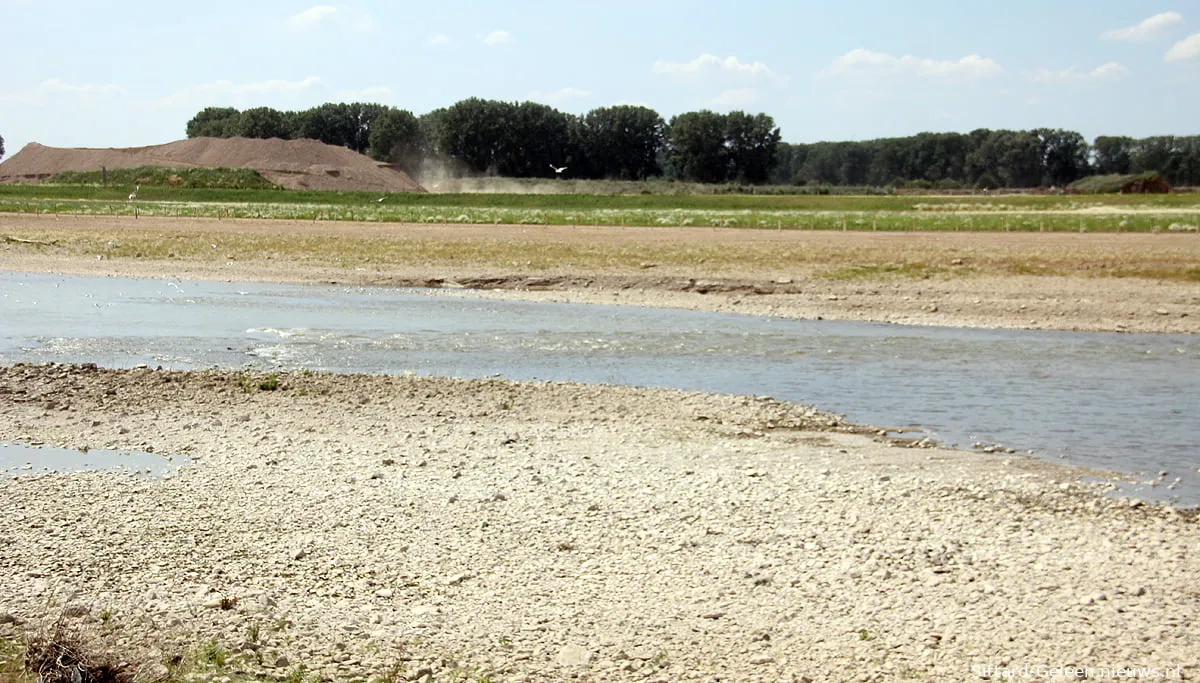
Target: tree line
point(987, 159)
point(526, 139)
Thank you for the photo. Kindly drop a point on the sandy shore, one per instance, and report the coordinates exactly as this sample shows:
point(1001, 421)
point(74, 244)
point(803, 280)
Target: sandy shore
point(537, 532)
point(969, 289)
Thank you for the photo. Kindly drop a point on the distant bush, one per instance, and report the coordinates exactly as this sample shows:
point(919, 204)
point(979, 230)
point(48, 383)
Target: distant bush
point(1149, 182)
point(165, 176)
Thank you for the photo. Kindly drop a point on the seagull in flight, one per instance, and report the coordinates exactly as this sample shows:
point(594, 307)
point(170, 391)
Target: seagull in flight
point(558, 171)
point(381, 198)
point(133, 195)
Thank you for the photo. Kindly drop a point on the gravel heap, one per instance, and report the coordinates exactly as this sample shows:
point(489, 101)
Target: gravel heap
point(292, 164)
point(435, 528)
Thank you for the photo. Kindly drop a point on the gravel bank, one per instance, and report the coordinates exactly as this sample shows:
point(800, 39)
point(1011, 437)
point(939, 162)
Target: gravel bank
point(539, 532)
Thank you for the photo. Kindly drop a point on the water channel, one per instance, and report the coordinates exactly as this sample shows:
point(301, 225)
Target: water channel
point(1129, 402)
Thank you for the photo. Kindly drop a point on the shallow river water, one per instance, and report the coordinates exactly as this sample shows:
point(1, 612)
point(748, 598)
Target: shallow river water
point(1120, 401)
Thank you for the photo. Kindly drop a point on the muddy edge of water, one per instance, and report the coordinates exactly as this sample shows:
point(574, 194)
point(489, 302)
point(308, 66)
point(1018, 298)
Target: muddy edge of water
point(954, 298)
point(549, 531)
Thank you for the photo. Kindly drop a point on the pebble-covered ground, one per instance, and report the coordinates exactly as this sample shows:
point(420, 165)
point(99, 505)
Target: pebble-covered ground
point(440, 529)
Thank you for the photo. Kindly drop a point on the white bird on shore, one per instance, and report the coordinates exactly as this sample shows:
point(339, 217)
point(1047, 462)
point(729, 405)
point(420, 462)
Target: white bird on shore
point(558, 171)
point(133, 195)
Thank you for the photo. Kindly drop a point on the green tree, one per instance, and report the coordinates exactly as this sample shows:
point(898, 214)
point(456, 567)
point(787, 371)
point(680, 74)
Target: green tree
point(1, 146)
point(822, 163)
point(1064, 156)
point(262, 122)
point(215, 122)
point(1013, 158)
point(1158, 153)
point(396, 138)
point(855, 164)
point(696, 146)
point(752, 143)
point(1112, 154)
point(533, 137)
point(470, 132)
point(622, 142)
point(333, 124)
point(362, 117)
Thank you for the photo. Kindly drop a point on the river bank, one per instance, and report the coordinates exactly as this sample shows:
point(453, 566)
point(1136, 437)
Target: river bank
point(1062, 281)
point(527, 531)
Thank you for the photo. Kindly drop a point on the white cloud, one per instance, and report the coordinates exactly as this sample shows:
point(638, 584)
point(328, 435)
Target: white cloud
point(312, 17)
point(1188, 48)
point(1147, 29)
point(738, 98)
point(868, 63)
point(227, 92)
point(56, 86)
point(331, 16)
point(711, 64)
point(497, 37)
point(1072, 75)
point(440, 39)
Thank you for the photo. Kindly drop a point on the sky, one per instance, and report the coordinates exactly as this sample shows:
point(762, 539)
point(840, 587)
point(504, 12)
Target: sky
point(109, 74)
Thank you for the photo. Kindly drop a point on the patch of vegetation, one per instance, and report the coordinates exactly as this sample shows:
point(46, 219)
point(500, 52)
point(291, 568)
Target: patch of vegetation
point(164, 176)
point(515, 205)
point(1114, 183)
point(884, 270)
point(61, 654)
point(249, 383)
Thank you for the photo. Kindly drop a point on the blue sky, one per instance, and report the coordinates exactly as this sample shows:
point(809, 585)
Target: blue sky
point(107, 74)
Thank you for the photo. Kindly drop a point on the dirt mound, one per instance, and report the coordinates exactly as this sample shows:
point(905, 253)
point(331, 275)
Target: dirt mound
point(293, 164)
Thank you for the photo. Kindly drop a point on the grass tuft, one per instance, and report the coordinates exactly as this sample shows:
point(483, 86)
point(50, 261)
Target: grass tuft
point(62, 654)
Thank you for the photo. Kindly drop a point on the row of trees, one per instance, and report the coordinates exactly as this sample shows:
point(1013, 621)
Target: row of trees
point(987, 159)
point(525, 139)
point(477, 136)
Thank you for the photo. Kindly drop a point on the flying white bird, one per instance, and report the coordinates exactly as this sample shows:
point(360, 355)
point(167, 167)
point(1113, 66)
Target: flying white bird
point(381, 198)
point(133, 195)
point(558, 171)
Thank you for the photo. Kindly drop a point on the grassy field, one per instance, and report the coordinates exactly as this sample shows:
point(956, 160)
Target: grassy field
point(1106, 213)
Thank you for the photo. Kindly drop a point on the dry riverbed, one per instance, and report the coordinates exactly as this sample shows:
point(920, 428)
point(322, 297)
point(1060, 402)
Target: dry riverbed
point(439, 529)
point(433, 528)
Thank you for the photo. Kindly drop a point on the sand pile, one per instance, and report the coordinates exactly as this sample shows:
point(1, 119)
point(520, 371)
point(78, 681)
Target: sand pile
point(293, 164)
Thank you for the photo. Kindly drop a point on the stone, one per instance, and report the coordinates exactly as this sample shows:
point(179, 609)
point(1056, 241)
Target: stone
point(573, 655)
point(640, 653)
